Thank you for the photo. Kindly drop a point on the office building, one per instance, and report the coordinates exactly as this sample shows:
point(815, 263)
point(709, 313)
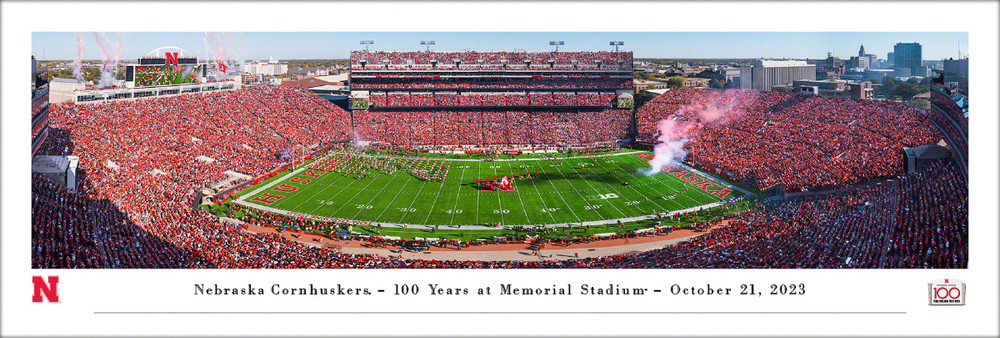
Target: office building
point(766, 74)
point(271, 67)
point(909, 59)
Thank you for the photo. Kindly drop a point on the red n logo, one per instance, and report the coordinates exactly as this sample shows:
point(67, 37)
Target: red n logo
point(171, 58)
point(222, 67)
point(49, 289)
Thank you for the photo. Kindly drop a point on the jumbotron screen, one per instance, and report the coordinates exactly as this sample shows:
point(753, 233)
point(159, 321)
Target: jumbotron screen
point(161, 75)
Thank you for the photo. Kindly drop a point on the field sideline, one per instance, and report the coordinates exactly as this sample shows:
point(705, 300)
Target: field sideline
point(562, 192)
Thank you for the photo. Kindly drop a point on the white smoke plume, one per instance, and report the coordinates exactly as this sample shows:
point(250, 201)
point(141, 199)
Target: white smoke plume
point(79, 58)
point(224, 52)
point(359, 143)
point(670, 149)
point(110, 54)
point(674, 134)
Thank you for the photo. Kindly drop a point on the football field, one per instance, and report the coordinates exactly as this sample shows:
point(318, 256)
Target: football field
point(559, 191)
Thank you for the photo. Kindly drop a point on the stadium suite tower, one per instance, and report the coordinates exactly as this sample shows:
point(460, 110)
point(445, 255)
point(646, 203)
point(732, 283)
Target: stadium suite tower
point(483, 89)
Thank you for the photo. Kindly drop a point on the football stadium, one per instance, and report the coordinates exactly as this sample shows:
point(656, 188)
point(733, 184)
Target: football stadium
point(500, 159)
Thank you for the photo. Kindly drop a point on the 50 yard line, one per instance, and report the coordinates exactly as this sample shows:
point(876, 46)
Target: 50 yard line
point(495, 174)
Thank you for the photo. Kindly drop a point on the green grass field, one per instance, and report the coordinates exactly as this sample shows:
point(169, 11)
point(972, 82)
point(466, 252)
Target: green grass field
point(561, 192)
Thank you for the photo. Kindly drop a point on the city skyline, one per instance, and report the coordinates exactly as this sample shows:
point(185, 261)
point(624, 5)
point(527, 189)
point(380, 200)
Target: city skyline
point(694, 45)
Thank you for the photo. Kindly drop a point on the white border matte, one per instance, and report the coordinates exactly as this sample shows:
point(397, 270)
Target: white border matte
point(84, 291)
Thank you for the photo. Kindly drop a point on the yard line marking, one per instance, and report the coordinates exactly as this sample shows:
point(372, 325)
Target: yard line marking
point(573, 187)
point(380, 193)
point(652, 200)
point(608, 202)
point(435, 202)
point(352, 197)
point(568, 207)
point(325, 186)
point(540, 158)
point(549, 212)
point(413, 200)
point(273, 183)
point(684, 193)
point(502, 221)
point(479, 192)
point(523, 208)
point(389, 205)
point(458, 195)
point(613, 187)
point(317, 181)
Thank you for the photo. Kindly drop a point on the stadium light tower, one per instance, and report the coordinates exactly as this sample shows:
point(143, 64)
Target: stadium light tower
point(367, 43)
point(617, 43)
point(427, 43)
point(557, 44)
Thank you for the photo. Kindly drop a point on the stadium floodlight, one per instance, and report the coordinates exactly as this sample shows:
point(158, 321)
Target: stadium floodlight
point(557, 44)
point(427, 43)
point(617, 43)
point(367, 43)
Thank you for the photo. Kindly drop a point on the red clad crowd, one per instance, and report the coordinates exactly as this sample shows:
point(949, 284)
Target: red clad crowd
point(932, 217)
point(486, 128)
point(506, 83)
point(141, 162)
point(803, 142)
point(398, 99)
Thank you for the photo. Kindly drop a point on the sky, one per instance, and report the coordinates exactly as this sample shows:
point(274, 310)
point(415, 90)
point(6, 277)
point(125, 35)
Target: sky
point(338, 45)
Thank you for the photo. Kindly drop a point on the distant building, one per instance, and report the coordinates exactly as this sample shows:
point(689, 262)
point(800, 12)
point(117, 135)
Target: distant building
point(62, 90)
point(694, 82)
point(890, 60)
point(860, 91)
point(641, 85)
point(909, 59)
point(833, 88)
point(830, 68)
point(34, 71)
point(860, 62)
point(876, 74)
point(956, 70)
point(766, 74)
point(271, 67)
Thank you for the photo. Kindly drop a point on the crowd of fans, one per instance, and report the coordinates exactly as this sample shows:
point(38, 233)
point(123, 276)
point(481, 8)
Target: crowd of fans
point(505, 83)
point(931, 220)
point(399, 99)
point(485, 128)
point(472, 58)
point(802, 142)
point(142, 161)
point(916, 222)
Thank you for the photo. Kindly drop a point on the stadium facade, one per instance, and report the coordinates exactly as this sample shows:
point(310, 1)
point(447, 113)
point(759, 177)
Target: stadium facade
point(490, 88)
point(950, 114)
point(39, 113)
